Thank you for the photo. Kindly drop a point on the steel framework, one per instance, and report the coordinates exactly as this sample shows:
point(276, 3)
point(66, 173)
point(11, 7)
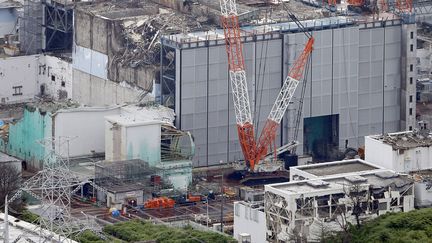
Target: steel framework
point(119, 173)
point(53, 187)
point(168, 76)
point(234, 49)
point(423, 7)
point(58, 24)
point(176, 144)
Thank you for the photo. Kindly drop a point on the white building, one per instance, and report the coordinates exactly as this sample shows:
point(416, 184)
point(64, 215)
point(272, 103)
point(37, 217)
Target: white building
point(20, 231)
point(147, 133)
point(402, 152)
point(78, 131)
point(307, 208)
point(407, 152)
point(331, 169)
point(423, 189)
point(249, 219)
point(25, 77)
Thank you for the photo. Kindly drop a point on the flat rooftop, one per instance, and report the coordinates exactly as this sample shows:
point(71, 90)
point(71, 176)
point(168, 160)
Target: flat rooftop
point(9, 4)
point(376, 181)
point(218, 34)
point(338, 167)
point(22, 232)
point(6, 158)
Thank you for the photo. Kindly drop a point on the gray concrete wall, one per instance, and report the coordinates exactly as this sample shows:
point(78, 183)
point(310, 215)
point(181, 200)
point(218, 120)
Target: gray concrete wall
point(409, 76)
point(351, 75)
point(104, 36)
point(83, 27)
point(142, 76)
point(93, 91)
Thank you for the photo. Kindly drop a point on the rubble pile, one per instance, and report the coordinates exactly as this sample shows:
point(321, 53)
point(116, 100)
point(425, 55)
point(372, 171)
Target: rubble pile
point(302, 11)
point(142, 46)
point(409, 140)
point(141, 35)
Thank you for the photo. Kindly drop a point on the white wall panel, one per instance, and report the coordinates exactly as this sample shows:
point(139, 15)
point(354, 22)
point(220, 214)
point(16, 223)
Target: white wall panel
point(18, 78)
point(90, 61)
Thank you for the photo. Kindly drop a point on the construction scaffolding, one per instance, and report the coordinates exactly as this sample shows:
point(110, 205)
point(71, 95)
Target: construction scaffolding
point(54, 187)
point(120, 174)
point(47, 26)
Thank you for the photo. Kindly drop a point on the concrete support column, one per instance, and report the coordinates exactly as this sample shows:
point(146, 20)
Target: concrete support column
point(408, 77)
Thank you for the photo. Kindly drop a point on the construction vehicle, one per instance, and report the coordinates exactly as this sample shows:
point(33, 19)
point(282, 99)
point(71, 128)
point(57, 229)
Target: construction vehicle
point(362, 6)
point(174, 200)
point(188, 199)
point(255, 151)
point(229, 192)
point(194, 198)
point(330, 4)
point(159, 202)
point(376, 6)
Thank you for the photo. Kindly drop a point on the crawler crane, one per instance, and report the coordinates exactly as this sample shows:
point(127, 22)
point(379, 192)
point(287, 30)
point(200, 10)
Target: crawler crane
point(255, 151)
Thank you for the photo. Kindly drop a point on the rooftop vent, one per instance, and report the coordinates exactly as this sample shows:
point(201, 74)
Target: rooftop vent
point(386, 175)
point(317, 183)
point(355, 179)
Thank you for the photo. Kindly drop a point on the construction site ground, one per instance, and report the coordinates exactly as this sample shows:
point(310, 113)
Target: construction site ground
point(161, 215)
point(209, 180)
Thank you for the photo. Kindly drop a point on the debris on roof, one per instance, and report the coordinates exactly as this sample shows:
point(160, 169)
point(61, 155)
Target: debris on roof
point(406, 140)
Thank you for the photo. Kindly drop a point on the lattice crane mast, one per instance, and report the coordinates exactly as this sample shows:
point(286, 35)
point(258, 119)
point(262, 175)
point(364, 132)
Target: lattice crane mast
point(234, 49)
point(295, 75)
point(253, 151)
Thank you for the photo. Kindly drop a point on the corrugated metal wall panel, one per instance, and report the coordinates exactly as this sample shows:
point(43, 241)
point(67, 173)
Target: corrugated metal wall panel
point(346, 78)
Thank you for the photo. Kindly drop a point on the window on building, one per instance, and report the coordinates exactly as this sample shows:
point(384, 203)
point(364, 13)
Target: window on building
point(412, 34)
point(410, 111)
point(411, 80)
point(410, 128)
point(63, 83)
point(411, 47)
point(411, 68)
point(17, 90)
point(410, 98)
point(52, 78)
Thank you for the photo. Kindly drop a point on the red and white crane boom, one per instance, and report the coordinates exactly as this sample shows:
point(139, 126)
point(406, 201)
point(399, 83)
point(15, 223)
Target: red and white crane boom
point(234, 49)
point(253, 151)
point(283, 99)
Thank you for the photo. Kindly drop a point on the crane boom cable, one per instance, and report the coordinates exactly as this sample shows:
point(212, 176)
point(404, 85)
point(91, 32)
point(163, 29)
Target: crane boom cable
point(262, 83)
point(300, 107)
point(295, 74)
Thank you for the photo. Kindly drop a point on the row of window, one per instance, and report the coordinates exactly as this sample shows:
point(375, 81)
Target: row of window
point(411, 79)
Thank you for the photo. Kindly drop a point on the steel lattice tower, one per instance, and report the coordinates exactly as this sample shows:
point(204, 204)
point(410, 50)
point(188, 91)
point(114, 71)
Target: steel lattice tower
point(54, 187)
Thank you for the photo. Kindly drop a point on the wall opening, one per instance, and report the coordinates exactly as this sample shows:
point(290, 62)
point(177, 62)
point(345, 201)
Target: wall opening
point(321, 137)
point(42, 90)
